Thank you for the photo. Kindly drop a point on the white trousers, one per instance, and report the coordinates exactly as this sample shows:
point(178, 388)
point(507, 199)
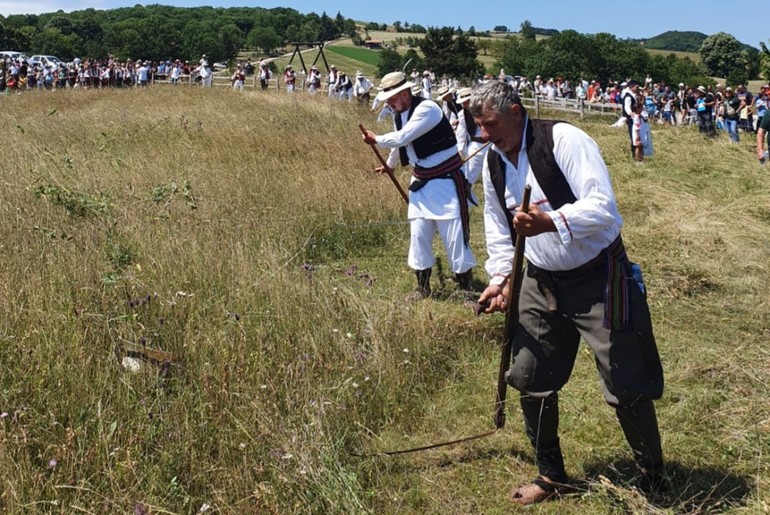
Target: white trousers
point(421, 246)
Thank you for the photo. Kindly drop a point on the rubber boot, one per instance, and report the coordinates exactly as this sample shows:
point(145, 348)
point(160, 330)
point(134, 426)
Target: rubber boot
point(423, 285)
point(464, 280)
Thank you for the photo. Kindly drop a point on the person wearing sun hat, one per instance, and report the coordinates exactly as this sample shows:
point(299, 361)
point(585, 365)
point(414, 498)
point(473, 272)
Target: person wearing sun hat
point(427, 84)
point(438, 202)
point(361, 88)
point(313, 80)
point(289, 78)
point(473, 140)
point(331, 81)
point(704, 105)
point(446, 99)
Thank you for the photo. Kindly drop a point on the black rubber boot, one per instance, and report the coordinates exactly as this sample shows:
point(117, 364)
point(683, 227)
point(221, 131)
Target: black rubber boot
point(423, 285)
point(464, 280)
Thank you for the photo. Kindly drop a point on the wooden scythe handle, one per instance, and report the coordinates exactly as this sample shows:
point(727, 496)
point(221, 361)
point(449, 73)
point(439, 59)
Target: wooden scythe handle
point(386, 168)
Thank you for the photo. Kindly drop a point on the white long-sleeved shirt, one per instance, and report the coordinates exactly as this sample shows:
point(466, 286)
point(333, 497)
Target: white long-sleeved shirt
point(437, 200)
point(361, 86)
point(584, 228)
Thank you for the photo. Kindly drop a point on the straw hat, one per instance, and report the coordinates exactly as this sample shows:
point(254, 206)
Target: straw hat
point(392, 83)
point(464, 94)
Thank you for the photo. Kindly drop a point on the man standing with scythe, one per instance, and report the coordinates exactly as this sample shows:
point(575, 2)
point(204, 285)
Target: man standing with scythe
point(438, 199)
point(578, 283)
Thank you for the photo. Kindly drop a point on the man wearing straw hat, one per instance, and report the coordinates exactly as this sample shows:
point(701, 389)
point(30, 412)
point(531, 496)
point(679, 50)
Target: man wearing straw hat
point(446, 99)
point(578, 284)
point(438, 199)
point(361, 88)
point(471, 134)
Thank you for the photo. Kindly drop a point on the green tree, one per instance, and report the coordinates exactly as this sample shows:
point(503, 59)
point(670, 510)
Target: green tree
point(264, 38)
point(722, 55)
point(232, 40)
point(764, 61)
point(328, 29)
point(446, 54)
point(526, 30)
point(350, 28)
point(411, 60)
point(390, 61)
point(53, 42)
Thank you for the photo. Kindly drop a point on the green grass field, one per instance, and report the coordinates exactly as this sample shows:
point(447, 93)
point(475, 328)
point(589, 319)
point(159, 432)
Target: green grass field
point(245, 236)
point(364, 55)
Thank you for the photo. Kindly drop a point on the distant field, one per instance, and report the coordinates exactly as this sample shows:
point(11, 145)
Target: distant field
point(694, 56)
point(364, 55)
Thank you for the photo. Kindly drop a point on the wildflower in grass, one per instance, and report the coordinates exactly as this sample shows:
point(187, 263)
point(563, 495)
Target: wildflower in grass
point(52, 463)
point(4, 414)
point(165, 369)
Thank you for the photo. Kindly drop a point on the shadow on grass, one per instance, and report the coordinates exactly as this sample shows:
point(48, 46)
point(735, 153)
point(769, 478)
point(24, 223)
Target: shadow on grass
point(688, 489)
point(429, 460)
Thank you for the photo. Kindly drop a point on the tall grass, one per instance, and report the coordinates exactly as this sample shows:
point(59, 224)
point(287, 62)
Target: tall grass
point(243, 234)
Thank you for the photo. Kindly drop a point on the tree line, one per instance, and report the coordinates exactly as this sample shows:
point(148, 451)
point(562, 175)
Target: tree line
point(159, 32)
point(574, 55)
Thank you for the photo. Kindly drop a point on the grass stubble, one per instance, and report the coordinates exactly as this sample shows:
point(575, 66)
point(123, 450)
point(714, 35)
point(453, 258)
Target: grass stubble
point(242, 234)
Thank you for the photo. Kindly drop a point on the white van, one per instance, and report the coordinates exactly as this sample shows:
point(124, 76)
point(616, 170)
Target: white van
point(49, 61)
point(13, 55)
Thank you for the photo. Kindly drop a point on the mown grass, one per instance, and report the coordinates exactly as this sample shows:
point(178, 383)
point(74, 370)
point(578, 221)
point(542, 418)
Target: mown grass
point(370, 57)
point(243, 234)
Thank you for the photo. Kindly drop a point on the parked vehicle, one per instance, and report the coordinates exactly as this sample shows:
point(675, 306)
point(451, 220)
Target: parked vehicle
point(13, 55)
point(49, 61)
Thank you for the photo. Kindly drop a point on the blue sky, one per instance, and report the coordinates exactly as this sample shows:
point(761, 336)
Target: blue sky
point(646, 19)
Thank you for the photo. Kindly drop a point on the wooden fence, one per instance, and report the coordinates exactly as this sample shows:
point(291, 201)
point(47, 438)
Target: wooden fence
point(571, 105)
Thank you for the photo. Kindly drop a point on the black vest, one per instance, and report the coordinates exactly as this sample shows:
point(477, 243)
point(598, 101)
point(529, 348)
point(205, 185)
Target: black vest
point(470, 124)
point(543, 163)
point(633, 103)
point(440, 137)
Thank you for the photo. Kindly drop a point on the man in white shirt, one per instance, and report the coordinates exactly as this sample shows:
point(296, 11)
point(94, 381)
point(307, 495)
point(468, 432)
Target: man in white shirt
point(578, 283)
point(176, 72)
point(427, 85)
point(438, 199)
point(361, 88)
point(313, 80)
point(141, 73)
point(472, 141)
point(332, 81)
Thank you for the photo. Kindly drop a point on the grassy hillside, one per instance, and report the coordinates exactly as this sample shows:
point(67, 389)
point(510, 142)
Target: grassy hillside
point(244, 235)
point(681, 41)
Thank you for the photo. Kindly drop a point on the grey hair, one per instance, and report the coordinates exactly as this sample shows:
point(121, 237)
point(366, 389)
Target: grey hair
point(495, 96)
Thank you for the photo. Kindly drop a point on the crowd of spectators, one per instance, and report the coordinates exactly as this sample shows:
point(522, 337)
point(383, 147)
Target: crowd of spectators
point(19, 75)
point(732, 109)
